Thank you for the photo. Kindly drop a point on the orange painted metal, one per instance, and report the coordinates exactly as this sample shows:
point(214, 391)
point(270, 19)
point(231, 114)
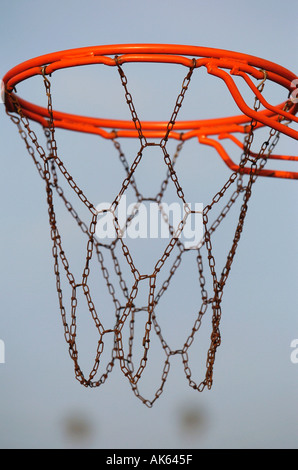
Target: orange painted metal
point(221, 63)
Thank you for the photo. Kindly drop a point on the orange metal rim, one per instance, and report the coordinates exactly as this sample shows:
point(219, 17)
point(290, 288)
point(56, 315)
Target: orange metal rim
point(218, 62)
point(139, 53)
point(215, 60)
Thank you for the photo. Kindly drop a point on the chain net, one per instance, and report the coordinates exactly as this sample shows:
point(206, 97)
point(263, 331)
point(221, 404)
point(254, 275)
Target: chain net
point(52, 169)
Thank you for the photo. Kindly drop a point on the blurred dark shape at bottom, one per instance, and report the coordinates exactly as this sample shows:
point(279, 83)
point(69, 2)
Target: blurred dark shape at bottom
point(192, 419)
point(78, 427)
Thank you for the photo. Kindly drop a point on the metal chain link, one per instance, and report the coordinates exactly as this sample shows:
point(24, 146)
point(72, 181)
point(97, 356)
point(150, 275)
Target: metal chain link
point(47, 165)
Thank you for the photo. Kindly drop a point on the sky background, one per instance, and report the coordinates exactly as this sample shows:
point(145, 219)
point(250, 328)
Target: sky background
point(253, 402)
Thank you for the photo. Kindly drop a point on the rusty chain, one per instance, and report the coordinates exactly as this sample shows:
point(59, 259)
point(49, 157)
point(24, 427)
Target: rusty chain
point(51, 168)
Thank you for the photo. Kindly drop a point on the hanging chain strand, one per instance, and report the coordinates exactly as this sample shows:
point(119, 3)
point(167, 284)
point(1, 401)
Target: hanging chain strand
point(51, 168)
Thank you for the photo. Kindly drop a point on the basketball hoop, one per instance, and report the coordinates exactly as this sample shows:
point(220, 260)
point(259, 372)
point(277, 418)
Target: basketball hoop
point(276, 119)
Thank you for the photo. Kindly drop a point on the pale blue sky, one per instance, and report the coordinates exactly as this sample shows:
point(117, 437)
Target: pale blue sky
point(253, 402)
